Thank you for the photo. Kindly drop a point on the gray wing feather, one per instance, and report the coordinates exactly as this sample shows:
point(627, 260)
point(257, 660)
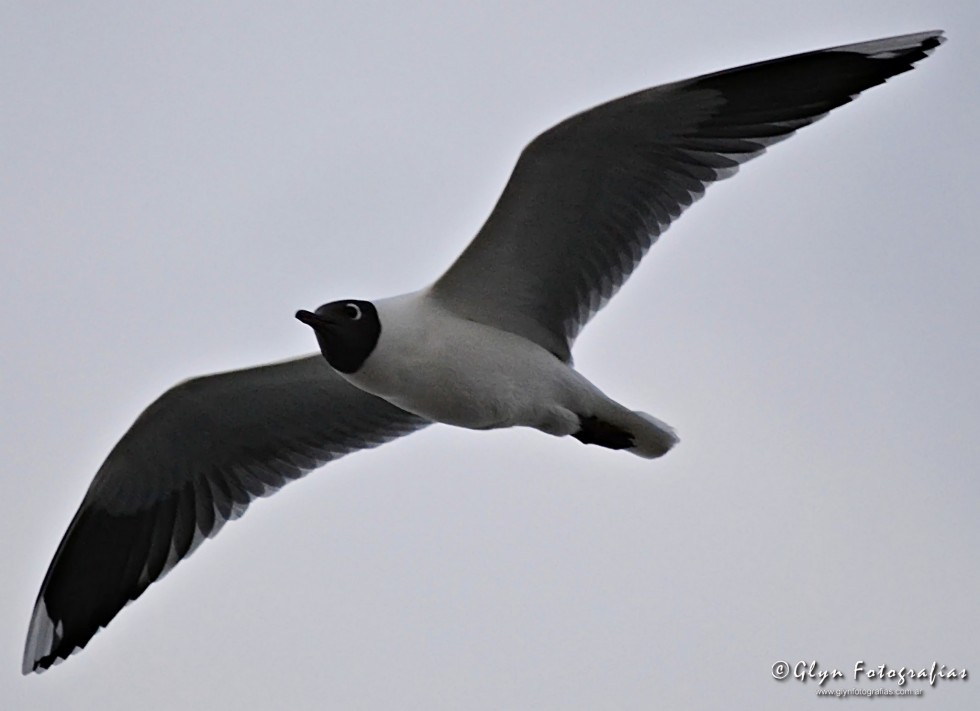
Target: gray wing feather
point(589, 196)
point(192, 461)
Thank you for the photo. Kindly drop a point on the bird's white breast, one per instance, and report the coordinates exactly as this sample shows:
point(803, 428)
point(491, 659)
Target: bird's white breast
point(448, 369)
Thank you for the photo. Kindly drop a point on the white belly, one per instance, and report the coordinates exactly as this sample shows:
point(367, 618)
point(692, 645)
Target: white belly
point(466, 374)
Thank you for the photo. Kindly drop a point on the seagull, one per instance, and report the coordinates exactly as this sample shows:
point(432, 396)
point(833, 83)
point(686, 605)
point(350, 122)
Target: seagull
point(487, 345)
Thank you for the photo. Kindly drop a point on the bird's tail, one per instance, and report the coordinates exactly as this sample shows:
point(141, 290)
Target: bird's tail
point(616, 427)
point(652, 437)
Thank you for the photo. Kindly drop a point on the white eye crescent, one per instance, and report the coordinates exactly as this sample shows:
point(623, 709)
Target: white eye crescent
point(353, 310)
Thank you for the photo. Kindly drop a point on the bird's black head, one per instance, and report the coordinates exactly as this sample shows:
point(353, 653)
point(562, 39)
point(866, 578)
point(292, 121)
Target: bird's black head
point(347, 332)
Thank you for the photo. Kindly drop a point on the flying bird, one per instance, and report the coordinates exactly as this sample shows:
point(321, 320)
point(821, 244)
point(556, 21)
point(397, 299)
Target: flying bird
point(487, 345)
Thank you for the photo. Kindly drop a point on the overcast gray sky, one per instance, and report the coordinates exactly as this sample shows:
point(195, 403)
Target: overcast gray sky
point(178, 178)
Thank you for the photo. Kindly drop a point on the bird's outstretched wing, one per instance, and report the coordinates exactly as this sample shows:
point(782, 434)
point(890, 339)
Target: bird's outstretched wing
point(590, 196)
point(193, 460)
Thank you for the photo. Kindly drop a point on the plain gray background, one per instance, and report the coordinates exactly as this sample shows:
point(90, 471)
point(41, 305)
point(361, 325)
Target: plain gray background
point(178, 180)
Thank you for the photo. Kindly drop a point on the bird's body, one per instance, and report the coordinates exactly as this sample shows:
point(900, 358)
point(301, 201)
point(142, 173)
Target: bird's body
point(459, 372)
point(487, 345)
point(435, 364)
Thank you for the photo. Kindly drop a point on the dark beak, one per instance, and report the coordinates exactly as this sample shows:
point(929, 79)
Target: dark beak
point(312, 320)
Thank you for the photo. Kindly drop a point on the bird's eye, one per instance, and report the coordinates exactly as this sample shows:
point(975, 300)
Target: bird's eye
point(353, 311)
